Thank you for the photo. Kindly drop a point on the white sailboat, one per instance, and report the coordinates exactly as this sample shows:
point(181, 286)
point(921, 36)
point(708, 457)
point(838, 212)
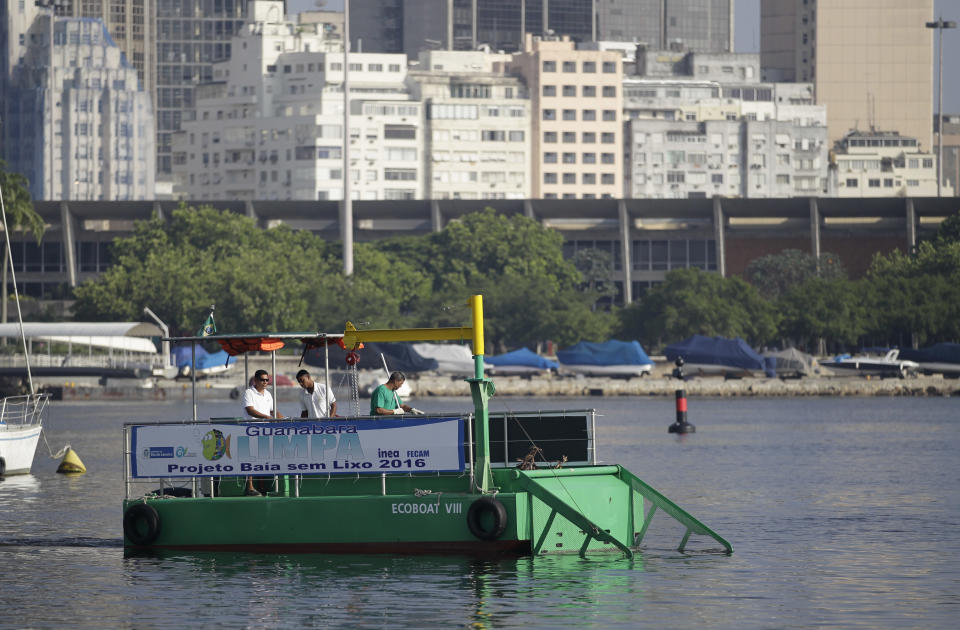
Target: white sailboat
point(21, 417)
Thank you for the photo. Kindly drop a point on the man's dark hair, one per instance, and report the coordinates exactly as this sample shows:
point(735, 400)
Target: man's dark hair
point(397, 376)
point(259, 373)
point(302, 373)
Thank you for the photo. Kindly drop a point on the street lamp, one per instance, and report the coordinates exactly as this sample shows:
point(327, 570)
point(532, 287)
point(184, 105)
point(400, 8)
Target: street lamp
point(940, 24)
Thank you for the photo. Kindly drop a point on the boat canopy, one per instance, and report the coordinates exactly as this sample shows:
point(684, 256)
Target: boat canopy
point(129, 336)
point(523, 357)
point(611, 352)
point(792, 359)
point(715, 351)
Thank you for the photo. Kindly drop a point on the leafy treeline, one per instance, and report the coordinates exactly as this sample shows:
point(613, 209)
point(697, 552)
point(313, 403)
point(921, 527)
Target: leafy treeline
point(790, 299)
point(280, 279)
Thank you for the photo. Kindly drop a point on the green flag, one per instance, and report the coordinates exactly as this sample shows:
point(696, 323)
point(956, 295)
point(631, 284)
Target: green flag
point(209, 327)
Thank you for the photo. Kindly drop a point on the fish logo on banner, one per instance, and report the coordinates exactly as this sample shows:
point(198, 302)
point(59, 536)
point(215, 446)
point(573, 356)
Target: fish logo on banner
point(215, 445)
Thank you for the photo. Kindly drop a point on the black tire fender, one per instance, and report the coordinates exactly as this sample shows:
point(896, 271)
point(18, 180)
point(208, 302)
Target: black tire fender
point(132, 519)
point(475, 518)
point(3, 466)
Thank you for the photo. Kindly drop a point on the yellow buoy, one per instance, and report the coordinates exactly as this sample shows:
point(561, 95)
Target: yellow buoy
point(71, 463)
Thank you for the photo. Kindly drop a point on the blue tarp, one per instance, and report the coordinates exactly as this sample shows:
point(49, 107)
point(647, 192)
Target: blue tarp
point(715, 351)
point(181, 358)
point(611, 352)
point(523, 358)
point(937, 353)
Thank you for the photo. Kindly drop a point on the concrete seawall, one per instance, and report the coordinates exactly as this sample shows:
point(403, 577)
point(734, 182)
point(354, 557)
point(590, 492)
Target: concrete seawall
point(550, 385)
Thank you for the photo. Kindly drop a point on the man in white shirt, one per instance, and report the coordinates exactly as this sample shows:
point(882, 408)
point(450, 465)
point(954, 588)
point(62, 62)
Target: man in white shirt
point(258, 403)
point(315, 401)
point(257, 400)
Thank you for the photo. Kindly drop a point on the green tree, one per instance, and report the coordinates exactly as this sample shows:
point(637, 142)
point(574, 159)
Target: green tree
point(949, 231)
point(821, 308)
point(775, 274)
point(691, 301)
point(20, 216)
point(596, 268)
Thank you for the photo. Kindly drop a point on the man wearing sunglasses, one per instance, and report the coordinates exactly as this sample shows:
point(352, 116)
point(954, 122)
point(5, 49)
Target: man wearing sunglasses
point(258, 404)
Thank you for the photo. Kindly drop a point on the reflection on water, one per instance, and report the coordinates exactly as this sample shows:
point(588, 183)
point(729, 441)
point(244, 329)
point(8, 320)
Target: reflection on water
point(842, 512)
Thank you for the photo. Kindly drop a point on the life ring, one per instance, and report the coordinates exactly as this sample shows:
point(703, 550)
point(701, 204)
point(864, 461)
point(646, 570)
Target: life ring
point(477, 521)
point(141, 524)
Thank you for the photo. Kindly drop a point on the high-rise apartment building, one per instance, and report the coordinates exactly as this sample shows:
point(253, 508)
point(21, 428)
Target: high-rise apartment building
point(410, 26)
point(576, 99)
point(476, 126)
point(270, 124)
point(77, 123)
point(192, 35)
point(871, 61)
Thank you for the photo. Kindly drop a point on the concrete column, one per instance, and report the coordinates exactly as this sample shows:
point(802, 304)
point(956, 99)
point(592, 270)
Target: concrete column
point(718, 235)
point(436, 218)
point(66, 233)
point(625, 249)
point(158, 210)
point(911, 226)
point(528, 209)
point(815, 229)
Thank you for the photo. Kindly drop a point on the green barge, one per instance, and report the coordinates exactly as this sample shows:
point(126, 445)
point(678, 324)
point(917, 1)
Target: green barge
point(394, 484)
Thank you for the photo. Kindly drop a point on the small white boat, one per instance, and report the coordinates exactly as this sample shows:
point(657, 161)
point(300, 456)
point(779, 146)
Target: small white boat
point(21, 420)
point(888, 365)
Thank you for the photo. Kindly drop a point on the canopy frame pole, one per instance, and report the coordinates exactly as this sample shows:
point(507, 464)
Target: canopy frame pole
point(193, 377)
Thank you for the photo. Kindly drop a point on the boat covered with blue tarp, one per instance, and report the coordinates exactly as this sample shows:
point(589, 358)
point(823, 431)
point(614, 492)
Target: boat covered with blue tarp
point(715, 355)
point(208, 363)
point(521, 361)
point(610, 358)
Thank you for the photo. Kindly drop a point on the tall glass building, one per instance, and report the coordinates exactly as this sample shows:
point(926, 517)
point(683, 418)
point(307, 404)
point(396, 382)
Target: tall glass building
point(410, 26)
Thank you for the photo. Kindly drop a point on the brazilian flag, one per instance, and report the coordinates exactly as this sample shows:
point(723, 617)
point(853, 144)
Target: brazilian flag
point(209, 327)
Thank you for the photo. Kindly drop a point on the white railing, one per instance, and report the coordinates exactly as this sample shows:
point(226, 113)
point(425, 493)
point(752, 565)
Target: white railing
point(22, 411)
point(79, 360)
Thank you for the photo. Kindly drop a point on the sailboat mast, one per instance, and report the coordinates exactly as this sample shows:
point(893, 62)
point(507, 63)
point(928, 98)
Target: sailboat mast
point(16, 293)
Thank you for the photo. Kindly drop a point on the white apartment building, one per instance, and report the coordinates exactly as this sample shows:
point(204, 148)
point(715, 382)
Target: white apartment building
point(271, 124)
point(883, 164)
point(476, 128)
point(77, 123)
point(719, 132)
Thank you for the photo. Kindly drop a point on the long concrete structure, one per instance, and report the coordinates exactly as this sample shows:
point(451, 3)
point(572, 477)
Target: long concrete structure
point(644, 237)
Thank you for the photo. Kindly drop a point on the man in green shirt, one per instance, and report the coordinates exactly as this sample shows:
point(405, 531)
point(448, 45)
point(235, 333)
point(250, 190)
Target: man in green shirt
point(386, 402)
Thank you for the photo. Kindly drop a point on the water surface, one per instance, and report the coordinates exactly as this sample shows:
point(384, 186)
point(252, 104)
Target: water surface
point(843, 512)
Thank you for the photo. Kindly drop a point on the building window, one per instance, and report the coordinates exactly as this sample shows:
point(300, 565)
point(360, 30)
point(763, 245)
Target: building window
point(549, 137)
point(549, 66)
point(928, 162)
point(852, 182)
point(569, 66)
point(516, 136)
point(607, 137)
point(589, 179)
point(590, 91)
point(550, 157)
point(716, 178)
point(569, 178)
point(610, 67)
point(609, 91)
point(589, 114)
point(589, 137)
point(549, 178)
point(607, 179)
point(570, 90)
point(549, 90)
point(569, 137)
point(569, 114)
point(569, 158)
point(589, 66)
point(676, 177)
point(888, 183)
point(549, 114)
point(610, 115)
point(606, 158)
point(873, 183)
point(589, 158)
